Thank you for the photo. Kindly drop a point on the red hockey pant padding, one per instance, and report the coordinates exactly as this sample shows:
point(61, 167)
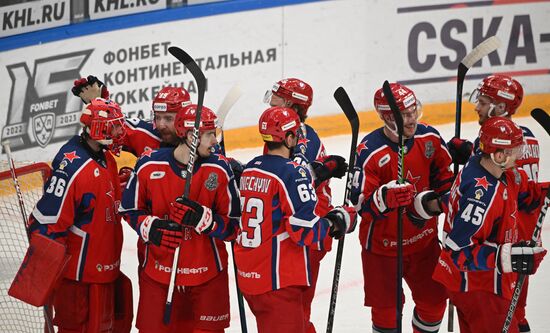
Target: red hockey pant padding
point(124, 305)
point(205, 306)
point(84, 308)
point(379, 273)
point(481, 312)
point(279, 311)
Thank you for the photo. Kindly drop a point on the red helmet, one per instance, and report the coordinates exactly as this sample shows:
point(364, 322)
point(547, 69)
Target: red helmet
point(276, 122)
point(185, 120)
point(101, 119)
point(171, 99)
point(294, 90)
point(501, 89)
point(499, 133)
point(404, 97)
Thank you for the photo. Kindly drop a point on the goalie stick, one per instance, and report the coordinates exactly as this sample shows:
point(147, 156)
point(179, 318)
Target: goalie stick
point(11, 163)
point(341, 96)
point(544, 120)
point(481, 50)
point(401, 155)
point(229, 100)
point(198, 75)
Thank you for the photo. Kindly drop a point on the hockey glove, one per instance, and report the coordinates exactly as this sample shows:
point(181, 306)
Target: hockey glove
point(393, 195)
point(523, 257)
point(192, 214)
point(89, 88)
point(237, 167)
point(163, 233)
point(123, 176)
point(328, 167)
point(343, 220)
point(422, 208)
point(460, 150)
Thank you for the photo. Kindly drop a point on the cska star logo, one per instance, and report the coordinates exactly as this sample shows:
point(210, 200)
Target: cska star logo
point(412, 179)
point(294, 164)
point(362, 146)
point(71, 156)
point(147, 152)
point(483, 182)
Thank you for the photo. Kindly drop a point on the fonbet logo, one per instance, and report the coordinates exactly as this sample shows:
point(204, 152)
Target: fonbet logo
point(42, 109)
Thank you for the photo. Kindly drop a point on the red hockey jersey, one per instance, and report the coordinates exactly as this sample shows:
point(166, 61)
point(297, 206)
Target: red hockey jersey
point(426, 165)
point(278, 225)
point(529, 162)
point(483, 213)
point(140, 136)
point(79, 208)
point(157, 181)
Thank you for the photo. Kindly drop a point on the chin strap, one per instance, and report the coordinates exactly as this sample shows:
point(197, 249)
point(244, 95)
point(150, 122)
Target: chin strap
point(502, 165)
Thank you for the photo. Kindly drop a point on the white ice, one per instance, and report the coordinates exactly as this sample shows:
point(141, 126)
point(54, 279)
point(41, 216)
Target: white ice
point(351, 315)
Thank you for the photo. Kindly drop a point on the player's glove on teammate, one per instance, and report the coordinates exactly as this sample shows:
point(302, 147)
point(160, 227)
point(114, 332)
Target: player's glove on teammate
point(123, 176)
point(419, 211)
point(89, 88)
point(237, 167)
point(460, 150)
point(192, 214)
point(343, 219)
point(160, 232)
point(392, 195)
point(523, 257)
point(328, 167)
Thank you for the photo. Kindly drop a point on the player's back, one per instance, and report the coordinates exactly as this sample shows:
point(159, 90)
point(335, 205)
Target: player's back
point(278, 203)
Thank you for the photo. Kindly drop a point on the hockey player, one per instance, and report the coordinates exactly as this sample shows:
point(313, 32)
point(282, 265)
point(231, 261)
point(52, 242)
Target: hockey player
point(279, 224)
point(310, 151)
point(482, 248)
point(143, 135)
point(79, 209)
point(377, 196)
point(501, 95)
point(153, 206)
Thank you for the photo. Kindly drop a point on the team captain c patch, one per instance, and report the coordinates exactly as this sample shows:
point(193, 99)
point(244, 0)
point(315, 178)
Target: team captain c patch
point(212, 182)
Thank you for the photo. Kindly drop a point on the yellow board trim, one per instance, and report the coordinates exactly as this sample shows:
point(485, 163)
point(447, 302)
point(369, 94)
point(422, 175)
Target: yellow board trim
point(434, 114)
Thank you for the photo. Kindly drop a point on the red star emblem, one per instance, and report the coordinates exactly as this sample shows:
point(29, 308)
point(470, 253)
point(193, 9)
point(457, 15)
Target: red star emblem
point(71, 156)
point(483, 182)
point(412, 179)
point(293, 163)
point(223, 158)
point(303, 141)
point(147, 152)
point(361, 146)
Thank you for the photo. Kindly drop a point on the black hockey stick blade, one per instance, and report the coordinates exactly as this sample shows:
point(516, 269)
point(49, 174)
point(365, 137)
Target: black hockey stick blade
point(394, 109)
point(342, 98)
point(190, 64)
point(346, 105)
point(542, 118)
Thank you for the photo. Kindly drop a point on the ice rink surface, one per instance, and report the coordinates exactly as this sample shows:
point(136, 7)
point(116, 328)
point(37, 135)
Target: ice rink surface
point(351, 315)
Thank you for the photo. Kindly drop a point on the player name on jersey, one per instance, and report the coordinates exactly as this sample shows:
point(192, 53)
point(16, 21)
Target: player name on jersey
point(255, 184)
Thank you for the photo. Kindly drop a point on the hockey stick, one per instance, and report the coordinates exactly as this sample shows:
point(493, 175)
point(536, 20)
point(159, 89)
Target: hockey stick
point(195, 70)
point(341, 96)
point(229, 100)
point(484, 48)
point(544, 120)
point(23, 211)
point(401, 155)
